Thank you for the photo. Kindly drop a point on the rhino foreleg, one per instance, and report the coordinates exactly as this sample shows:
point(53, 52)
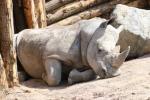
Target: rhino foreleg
point(76, 76)
point(52, 73)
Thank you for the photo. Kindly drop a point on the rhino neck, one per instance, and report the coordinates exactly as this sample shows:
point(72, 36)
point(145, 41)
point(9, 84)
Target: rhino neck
point(86, 36)
point(93, 49)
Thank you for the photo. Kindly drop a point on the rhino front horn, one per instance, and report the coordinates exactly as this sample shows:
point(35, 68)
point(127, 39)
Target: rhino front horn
point(118, 61)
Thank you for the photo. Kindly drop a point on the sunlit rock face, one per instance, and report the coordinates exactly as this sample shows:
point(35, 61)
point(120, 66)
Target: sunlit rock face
point(136, 32)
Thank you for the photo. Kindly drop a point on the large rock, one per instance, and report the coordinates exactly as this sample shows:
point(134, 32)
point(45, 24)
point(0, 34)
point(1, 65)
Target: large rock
point(136, 23)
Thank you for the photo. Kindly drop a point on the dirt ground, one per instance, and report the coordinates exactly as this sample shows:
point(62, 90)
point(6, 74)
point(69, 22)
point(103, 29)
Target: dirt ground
point(132, 84)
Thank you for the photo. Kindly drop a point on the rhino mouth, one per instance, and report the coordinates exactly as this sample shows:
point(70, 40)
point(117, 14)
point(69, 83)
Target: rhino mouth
point(105, 71)
point(112, 72)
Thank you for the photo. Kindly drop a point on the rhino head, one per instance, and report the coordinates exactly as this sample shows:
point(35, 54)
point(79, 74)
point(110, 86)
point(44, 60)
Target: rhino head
point(102, 54)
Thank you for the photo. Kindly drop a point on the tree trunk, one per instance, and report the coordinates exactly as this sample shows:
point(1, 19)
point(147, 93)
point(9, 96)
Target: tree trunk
point(29, 9)
point(40, 13)
point(54, 4)
point(35, 13)
point(93, 12)
point(6, 44)
point(3, 80)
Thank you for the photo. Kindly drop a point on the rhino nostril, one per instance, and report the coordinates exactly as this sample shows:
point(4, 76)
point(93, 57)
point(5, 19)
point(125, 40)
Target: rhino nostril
point(99, 51)
point(70, 82)
point(102, 74)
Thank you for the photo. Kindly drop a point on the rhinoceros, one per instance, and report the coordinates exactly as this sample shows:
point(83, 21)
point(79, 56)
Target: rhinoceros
point(88, 49)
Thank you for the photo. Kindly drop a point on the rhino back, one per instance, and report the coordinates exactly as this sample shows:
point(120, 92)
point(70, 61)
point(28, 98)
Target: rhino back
point(64, 45)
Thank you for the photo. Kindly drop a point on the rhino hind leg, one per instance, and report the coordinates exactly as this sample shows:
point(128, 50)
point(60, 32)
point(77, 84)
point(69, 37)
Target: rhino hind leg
point(52, 74)
point(76, 76)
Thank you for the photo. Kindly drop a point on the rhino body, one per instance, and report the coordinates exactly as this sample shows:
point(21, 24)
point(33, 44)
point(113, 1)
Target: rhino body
point(43, 52)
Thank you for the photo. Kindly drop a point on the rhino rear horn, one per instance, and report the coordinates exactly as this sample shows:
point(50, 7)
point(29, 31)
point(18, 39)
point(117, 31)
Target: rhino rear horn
point(117, 62)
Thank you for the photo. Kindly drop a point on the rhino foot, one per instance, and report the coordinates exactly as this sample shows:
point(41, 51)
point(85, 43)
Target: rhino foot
point(53, 72)
point(76, 76)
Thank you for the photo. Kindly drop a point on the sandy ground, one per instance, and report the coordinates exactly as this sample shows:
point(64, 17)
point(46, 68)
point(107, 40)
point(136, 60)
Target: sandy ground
point(132, 84)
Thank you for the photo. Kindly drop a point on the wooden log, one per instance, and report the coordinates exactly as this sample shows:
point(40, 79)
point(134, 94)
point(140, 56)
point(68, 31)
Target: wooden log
point(71, 9)
point(40, 13)
point(6, 44)
point(93, 12)
point(54, 4)
point(29, 9)
point(138, 3)
point(3, 79)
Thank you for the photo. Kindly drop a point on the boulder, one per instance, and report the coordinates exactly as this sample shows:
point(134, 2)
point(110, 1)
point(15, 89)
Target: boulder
point(136, 32)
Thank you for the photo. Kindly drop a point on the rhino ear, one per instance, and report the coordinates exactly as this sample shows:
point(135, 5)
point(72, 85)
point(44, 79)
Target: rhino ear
point(105, 23)
point(116, 49)
point(111, 20)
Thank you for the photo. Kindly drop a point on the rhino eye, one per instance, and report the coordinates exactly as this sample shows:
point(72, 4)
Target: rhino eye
point(99, 50)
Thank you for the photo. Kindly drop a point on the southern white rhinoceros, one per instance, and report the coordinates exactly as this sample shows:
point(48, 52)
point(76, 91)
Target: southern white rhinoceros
point(88, 48)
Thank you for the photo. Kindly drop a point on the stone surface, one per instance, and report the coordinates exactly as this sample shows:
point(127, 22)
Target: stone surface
point(136, 23)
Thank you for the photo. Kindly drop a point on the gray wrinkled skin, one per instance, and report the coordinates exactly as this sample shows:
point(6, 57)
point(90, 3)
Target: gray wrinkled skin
point(88, 48)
